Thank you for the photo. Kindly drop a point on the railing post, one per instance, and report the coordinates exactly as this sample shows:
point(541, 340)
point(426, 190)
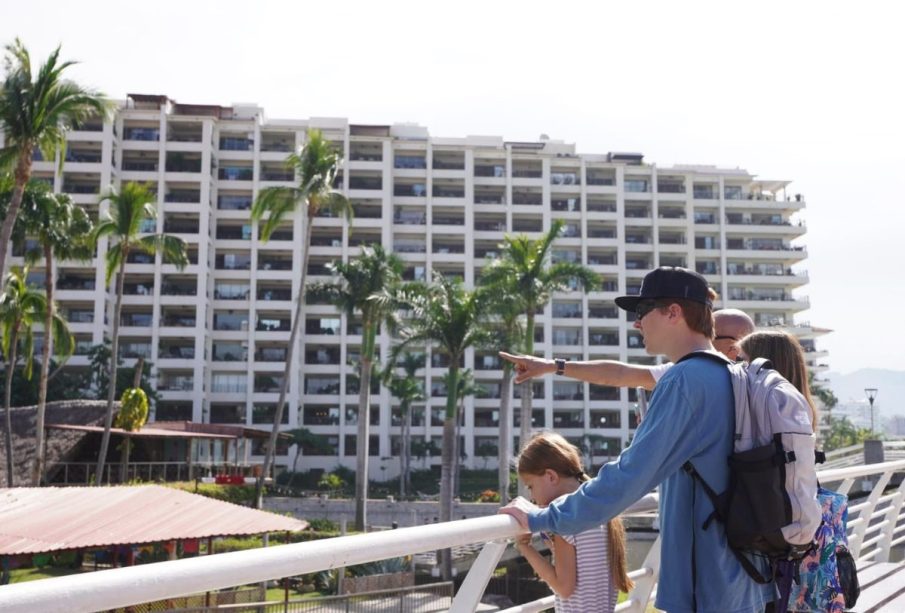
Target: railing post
point(892, 518)
point(478, 575)
point(866, 514)
point(644, 586)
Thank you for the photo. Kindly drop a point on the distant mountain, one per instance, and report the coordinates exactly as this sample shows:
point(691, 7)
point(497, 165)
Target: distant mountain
point(890, 383)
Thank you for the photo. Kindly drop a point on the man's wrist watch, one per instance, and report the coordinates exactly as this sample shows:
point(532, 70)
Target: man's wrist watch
point(560, 365)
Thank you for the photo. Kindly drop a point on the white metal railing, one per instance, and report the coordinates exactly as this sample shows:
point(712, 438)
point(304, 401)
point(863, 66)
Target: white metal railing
point(876, 523)
point(874, 528)
point(854, 455)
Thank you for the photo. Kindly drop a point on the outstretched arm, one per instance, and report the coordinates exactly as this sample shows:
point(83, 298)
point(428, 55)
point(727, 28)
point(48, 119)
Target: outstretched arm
point(598, 372)
point(562, 577)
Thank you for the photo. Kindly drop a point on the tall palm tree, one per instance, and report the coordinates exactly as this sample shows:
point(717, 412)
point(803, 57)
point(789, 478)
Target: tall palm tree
point(21, 307)
point(121, 225)
point(62, 231)
point(36, 111)
point(366, 284)
point(316, 166)
point(409, 389)
point(465, 386)
point(524, 268)
point(446, 315)
point(505, 325)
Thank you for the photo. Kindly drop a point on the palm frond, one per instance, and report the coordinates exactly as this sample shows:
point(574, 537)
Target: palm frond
point(63, 340)
point(278, 203)
point(173, 249)
point(113, 262)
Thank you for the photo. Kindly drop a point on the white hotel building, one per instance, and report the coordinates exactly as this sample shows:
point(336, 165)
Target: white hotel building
point(217, 331)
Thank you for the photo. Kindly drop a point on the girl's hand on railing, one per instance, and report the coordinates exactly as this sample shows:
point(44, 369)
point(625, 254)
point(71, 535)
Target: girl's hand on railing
point(519, 509)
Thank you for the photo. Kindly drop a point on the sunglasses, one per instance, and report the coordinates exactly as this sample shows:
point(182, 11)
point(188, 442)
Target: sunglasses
point(725, 338)
point(644, 307)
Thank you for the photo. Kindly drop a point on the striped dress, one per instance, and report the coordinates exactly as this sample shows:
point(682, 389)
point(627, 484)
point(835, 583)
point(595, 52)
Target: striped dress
point(594, 589)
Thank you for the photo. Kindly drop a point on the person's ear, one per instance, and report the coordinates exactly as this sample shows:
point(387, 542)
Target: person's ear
point(552, 476)
point(674, 311)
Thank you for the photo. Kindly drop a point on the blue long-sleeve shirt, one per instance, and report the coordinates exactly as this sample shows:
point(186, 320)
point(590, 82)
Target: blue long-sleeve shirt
point(690, 417)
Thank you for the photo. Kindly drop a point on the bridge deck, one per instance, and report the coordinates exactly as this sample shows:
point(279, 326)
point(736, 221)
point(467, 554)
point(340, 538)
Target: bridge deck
point(882, 588)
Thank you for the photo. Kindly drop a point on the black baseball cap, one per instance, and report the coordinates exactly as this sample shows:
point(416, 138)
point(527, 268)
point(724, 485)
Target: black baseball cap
point(669, 282)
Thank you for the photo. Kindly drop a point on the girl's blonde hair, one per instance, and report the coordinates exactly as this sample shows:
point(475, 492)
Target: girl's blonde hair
point(551, 451)
point(785, 353)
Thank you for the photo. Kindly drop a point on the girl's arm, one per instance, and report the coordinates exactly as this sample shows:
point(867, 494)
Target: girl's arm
point(562, 577)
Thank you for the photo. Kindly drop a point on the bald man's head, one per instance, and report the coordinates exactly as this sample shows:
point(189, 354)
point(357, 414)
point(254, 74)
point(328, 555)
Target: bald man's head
point(731, 325)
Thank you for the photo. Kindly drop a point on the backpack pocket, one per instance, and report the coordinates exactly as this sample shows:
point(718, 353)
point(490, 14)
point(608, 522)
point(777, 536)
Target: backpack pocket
point(801, 487)
point(759, 506)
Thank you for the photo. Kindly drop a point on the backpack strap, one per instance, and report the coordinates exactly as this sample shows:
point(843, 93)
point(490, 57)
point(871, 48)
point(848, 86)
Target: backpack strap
point(746, 564)
point(712, 355)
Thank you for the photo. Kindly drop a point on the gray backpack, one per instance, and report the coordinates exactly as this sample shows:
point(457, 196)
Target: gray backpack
point(770, 508)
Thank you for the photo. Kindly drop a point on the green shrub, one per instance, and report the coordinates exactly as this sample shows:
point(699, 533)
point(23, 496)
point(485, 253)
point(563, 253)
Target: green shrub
point(236, 494)
point(331, 481)
point(322, 524)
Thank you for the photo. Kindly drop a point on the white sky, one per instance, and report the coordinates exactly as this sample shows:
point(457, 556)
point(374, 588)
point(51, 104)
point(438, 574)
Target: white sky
point(806, 91)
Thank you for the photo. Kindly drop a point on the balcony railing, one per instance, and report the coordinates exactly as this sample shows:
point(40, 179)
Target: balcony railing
point(74, 283)
point(81, 188)
point(150, 134)
point(140, 166)
point(174, 289)
point(187, 196)
point(235, 174)
point(234, 203)
point(177, 353)
point(272, 175)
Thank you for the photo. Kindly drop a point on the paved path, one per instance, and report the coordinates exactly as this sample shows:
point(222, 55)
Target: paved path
point(882, 588)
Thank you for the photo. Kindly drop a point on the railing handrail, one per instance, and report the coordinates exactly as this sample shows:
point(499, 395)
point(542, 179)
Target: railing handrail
point(838, 474)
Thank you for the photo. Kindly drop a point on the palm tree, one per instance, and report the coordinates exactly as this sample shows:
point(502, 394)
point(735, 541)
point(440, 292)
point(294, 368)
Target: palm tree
point(408, 389)
point(21, 307)
point(366, 284)
point(121, 224)
point(465, 386)
point(63, 232)
point(303, 437)
point(505, 324)
point(36, 111)
point(447, 316)
point(524, 269)
point(316, 166)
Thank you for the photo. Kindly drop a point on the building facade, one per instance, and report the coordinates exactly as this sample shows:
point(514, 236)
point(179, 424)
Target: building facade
point(217, 331)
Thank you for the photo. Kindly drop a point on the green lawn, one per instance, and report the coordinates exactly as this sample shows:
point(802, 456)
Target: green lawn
point(21, 575)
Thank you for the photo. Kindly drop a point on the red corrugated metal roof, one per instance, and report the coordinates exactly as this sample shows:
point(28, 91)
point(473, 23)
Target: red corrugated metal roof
point(42, 519)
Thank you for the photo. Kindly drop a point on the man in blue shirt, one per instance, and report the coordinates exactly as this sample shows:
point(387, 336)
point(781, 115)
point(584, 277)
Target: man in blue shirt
point(690, 417)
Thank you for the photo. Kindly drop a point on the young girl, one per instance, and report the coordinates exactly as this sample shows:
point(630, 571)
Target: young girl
point(589, 567)
point(819, 586)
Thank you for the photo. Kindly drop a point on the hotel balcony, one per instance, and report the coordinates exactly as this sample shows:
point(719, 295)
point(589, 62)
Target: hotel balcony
point(490, 172)
point(365, 155)
point(182, 196)
point(277, 143)
point(234, 202)
point(141, 133)
point(270, 354)
point(234, 173)
point(176, 349)
point(184, 132)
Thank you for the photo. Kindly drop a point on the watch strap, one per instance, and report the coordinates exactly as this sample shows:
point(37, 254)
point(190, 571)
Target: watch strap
point(560, 365)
